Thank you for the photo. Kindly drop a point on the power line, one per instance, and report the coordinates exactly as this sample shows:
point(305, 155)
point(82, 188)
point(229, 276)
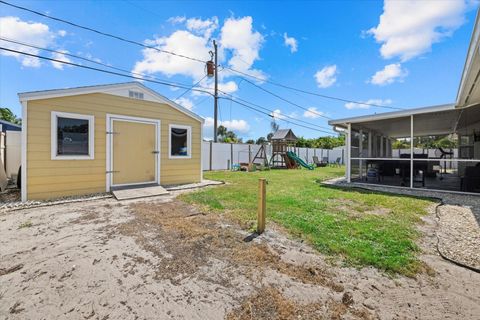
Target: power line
point(267, 114)
point(310, 92)
point(103, 64)
point(99, 32)
point(193, 86)
point(272, 112)
point(142, 75)
point(148, 80)
point(200, 102)
point(287, 101)
point(86, 59)
point(102, 70)
point(191, 58)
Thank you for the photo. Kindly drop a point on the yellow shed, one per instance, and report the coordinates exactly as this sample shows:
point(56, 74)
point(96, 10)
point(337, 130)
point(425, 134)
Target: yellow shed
point(93, 139)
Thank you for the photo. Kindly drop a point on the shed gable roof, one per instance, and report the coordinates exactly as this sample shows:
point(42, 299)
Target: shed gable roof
point(118, 89)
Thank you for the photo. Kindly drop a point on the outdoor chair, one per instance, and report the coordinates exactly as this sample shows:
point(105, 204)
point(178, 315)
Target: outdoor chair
point(319, 163)
point(338, 162)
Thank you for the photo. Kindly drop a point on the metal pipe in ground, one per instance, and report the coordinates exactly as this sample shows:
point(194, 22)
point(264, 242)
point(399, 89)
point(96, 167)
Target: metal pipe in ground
point(262, 203)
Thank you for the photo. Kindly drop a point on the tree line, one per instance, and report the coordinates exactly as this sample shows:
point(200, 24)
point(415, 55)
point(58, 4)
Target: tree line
point(329, 142)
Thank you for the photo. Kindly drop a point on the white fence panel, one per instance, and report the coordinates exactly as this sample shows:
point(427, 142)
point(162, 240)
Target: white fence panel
point(13, 143)
point(225, 154)
point(205, 155)
point(221, 152)
point(302, 153)
point(241, 153)
point(336, 155)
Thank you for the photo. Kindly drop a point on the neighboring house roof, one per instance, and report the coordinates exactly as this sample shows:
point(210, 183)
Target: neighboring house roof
point(5, 125)
point(284, 134)
point(118, 89)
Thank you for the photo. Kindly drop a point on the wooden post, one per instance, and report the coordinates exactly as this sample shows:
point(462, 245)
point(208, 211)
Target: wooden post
point(262, 191)
point(249, 154)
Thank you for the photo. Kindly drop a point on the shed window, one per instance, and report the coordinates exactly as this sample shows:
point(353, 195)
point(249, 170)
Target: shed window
point(180, 145)
point(72, 136)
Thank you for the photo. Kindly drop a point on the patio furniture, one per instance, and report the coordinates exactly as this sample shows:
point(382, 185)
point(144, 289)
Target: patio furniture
point(319, 163)
point(471, 181)
point(338, 162)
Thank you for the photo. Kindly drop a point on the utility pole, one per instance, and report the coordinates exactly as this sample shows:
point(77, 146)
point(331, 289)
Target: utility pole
point(215, 98)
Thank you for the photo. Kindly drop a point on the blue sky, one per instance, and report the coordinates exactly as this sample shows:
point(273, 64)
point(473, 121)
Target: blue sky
point(398, 53)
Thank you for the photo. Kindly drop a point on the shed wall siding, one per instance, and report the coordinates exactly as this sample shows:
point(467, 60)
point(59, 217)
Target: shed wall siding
point(48, 178)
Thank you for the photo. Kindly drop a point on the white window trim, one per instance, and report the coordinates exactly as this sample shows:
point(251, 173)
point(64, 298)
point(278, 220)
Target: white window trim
point(189, 141)
point(91, 137)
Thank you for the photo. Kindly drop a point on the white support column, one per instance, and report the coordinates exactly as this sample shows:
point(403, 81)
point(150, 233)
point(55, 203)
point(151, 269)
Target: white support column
point(411, 151)
point(349, 152)
point(381, 147)
point(360, 153)
point(370, 153)
point(24, 171)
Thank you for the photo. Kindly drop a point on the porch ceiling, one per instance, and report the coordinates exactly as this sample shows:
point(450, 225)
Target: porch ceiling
point(433, 123)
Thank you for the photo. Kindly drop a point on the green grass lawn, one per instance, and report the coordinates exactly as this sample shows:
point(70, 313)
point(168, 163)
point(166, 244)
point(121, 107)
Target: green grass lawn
point(366, 228)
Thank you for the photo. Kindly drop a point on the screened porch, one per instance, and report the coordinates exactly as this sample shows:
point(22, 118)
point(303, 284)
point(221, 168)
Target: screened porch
point(435, 148)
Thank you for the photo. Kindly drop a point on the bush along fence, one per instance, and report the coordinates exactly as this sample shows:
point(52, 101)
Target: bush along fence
point(221, 156)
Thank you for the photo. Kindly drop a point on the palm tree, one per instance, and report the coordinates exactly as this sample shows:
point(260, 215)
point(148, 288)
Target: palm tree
point(221, 132)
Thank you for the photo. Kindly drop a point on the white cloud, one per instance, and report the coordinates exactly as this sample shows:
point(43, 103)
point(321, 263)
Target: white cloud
point(203, 27)
point(312, 113)
point(178, 19)
point(293, 115)
point(391, 73)
point(290, 42)
point(408, 28)
point(367, 104)
point(277, 114)
point(233, 125)
point(227, 87)
point(185, 102)
point(62, 33)
point(327, 76)
point(238, 36)
point(239, 47)
point(182, 42)
point(61, 57)
point(34, 33)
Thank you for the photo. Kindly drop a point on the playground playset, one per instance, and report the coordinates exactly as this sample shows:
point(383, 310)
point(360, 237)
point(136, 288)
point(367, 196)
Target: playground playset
point(283, 155)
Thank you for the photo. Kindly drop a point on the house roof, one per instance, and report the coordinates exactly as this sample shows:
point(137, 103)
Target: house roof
point(391, 115)
point(434, 120)
point(284, 134)
point(10, 124)
point(118, 89)
point(469, 88)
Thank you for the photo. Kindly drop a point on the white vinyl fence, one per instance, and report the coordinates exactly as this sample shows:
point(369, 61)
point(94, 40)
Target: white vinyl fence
point(221, 156)
point(13, 149)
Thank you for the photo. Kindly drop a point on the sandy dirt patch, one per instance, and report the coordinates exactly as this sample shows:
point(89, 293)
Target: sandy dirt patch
point(159, 258)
